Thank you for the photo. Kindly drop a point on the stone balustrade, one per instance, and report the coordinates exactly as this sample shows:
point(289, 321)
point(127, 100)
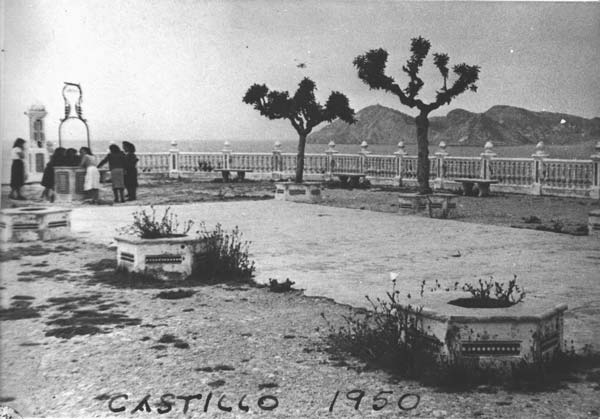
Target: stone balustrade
point(537, 175)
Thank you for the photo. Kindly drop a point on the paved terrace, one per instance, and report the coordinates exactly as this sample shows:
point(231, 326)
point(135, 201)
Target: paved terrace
point(345, 254)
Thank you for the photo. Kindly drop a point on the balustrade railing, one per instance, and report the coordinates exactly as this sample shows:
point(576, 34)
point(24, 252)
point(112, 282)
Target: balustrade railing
point(514, 171)
point(257, 162)
point(536, 175)
point(462, 167)
point(153, 162)
point(347, 163)
point(200, 161)
point(381, 166)
point(570, 174)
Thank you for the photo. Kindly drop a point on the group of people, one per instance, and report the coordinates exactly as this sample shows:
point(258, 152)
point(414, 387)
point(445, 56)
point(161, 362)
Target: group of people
point(121, 163)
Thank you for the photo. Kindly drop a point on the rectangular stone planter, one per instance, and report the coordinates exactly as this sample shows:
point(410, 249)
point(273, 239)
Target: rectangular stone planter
point(298, 192)
point(594, 223)
point(34, 224)
point(434, 205)
point(529, 331)
point(165, 258)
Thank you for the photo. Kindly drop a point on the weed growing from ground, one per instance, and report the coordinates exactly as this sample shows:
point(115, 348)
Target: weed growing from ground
point(386, 337)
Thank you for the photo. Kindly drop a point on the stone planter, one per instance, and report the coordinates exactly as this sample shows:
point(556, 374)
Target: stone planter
point(529, 331)
point(165, 258)
point(433, 205)
point(594, 223)
point(34, 224)
point(298, 192)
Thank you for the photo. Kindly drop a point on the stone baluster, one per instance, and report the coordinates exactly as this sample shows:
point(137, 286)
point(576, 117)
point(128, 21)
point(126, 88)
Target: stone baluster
point(486, 160)
point(226, 155)
point(538, 168)
point(364, 152)
point(399, 154)
point(440, 155)
point(174, 160)
point(595, 192)
point(276, 162)
point(330, 152)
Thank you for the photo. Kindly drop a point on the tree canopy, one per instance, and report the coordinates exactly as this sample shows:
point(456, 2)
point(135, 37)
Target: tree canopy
point(302, 109)
point(371, 70)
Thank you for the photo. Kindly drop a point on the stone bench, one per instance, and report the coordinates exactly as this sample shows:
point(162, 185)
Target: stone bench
point(350, 179)
point(226, 173)
point(482, 184)
point(434, 205)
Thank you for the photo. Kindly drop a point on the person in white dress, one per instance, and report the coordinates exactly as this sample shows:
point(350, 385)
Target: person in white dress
point(91, 184)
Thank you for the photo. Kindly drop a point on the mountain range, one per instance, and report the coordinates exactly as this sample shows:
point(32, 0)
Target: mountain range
point(503, 125)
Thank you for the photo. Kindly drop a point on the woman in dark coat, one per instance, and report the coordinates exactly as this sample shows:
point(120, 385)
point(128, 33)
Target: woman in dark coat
point(57, 159)
point(116, 164)
point(17, 170)
point(131, 182)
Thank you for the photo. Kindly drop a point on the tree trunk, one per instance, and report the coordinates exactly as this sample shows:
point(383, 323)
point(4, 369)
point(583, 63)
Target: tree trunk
point(423, 153)
point(300, 158)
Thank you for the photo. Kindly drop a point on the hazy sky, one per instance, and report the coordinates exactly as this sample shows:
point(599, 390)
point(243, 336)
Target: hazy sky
point(166, 69)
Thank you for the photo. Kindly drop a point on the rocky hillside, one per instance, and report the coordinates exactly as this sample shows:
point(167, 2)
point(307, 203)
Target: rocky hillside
point(503, 125)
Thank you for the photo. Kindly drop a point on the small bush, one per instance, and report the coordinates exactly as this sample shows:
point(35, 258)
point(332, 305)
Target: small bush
point(386, 337)
point(225, 258)
point(147, 226)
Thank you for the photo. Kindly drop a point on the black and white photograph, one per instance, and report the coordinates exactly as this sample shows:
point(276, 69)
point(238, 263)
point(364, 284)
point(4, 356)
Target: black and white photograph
point(299, 209)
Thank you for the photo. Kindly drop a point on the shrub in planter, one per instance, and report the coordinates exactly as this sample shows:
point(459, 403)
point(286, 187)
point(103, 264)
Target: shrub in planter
point(458, 347)
point(147, 226)
point(481, 295)
point(157, 245)
point(160, 246)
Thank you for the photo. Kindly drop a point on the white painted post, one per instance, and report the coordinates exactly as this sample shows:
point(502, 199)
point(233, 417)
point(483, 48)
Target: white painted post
point(486, 158)
point(364, 152)
point(441, 154)
point(174, 160)
point(226, 155)
point(538, 168)
point(276, 162)
point(330, 152)
point(595, 191)
point(399, 163)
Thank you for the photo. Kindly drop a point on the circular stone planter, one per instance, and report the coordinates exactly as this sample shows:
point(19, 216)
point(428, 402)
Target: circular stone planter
point(34, 224)
point(298, 192)
point(594, 223)
point(165, 258)
point(529, 331)
point(434, 205)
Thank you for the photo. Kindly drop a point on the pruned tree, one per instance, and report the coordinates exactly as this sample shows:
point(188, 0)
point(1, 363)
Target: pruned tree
point(371, 70)
point(302, 110)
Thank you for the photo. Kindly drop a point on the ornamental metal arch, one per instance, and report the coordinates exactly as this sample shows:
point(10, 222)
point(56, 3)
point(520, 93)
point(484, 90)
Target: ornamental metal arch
point(70, 106)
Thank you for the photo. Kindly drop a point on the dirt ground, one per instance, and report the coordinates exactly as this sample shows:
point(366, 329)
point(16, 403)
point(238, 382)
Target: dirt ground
point(73, 339)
